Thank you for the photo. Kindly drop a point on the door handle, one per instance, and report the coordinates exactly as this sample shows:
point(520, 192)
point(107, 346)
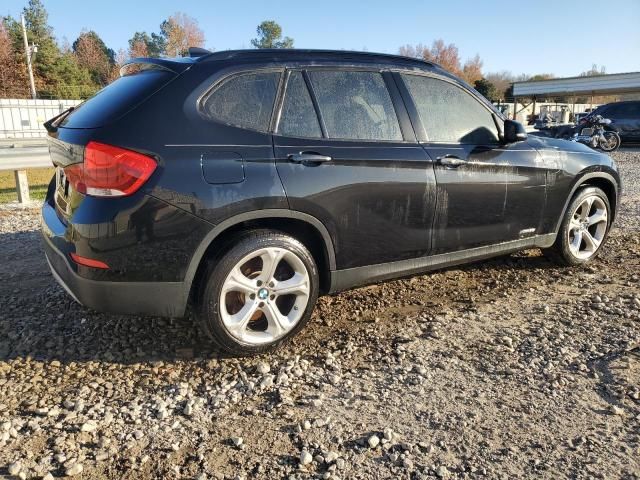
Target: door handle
point(450, 161)
point(308, 157)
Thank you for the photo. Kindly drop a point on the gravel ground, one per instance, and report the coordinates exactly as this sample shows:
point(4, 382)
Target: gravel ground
point(511, 368)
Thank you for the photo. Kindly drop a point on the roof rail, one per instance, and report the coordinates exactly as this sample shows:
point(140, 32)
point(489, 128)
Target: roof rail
point(226, 54)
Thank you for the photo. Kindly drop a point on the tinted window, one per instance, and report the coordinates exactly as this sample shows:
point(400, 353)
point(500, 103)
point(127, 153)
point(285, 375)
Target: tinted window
point(355, 105)
point(245, 100)
point(449, 113)
point(622, 110)
point(117, 98)
point(298, 117)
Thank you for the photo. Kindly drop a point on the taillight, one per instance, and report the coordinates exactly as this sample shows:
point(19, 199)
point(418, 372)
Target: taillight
point(109, 171)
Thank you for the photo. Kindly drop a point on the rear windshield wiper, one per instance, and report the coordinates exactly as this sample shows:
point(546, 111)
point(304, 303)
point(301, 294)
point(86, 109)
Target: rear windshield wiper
point(52, 124)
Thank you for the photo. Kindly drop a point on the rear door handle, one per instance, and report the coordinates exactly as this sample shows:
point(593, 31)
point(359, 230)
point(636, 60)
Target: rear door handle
point(450, 161)
point(308, 157)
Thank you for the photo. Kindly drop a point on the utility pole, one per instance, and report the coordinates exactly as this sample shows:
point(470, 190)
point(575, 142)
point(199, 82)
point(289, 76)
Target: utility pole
point(29, 53)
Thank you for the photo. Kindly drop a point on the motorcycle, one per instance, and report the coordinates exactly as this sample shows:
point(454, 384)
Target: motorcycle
point(595, 131)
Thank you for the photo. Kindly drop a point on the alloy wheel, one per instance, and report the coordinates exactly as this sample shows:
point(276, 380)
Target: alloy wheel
point(587, 227)
point(265, 295)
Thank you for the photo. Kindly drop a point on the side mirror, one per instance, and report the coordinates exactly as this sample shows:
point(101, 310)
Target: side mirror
point(514, 131)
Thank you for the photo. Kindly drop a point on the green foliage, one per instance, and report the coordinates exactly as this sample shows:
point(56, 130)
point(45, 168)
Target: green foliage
point(270, 36)
point(37, 18)
point(541, 76)
point(57, 74)
point(70, 79)
point(508, 94)
point(488, 89)
point(154, 43)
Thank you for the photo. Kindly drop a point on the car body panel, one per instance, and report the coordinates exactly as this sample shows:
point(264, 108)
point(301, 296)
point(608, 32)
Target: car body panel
point(384, 193)
point(571, 163)
point(489, 198)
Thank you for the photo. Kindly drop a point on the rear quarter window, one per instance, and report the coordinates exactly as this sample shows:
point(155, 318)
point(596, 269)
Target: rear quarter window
point(244, 100)
point(117, 98)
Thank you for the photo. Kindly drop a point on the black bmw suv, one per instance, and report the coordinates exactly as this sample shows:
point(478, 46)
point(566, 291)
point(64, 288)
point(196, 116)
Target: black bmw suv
point(247, 183)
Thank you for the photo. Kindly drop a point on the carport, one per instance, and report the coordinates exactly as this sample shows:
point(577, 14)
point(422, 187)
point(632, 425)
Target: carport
point(573, 87)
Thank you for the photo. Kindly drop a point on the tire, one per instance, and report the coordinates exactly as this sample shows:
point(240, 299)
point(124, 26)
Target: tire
point(244, 309)
point(613, 142)
point(575, 227)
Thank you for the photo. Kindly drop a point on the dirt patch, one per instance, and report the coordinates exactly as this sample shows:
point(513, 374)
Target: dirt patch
point(511, 368)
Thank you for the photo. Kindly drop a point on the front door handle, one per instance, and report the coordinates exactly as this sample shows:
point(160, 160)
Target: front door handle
point(450, 161)
point(308, 157)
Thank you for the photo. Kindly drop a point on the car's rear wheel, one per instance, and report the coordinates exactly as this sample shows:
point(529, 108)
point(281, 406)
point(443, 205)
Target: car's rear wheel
point(259, 293)
point(584, 228)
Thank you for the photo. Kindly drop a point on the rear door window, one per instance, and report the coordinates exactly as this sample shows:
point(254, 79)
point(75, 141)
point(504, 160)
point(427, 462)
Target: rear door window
point(355, 105)
point(244, 100)
point(298, 117)
point(449, 113)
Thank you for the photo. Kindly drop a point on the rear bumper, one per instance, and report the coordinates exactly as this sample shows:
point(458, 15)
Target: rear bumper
point(167, 299)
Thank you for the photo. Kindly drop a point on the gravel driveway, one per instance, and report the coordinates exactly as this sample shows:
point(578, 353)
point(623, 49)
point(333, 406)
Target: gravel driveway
point(511, 368)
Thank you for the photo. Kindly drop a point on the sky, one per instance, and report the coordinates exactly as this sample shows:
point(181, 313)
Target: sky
point(563, 37)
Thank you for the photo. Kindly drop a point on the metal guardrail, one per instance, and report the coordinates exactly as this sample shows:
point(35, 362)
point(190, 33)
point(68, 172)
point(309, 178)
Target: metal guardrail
point(19, 142)
point(20, 155)
point(24, 158)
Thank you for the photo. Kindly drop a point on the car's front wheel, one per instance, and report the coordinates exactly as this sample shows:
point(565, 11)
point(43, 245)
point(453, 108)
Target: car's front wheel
point(259, 293)
point(584, 228)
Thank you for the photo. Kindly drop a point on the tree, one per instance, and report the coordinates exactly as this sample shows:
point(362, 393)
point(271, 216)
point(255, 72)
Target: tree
point(488, 89)
point(13, 77)
point(41, 34)
point(120, 58)
point(444, 55)
point(71, 79)
point(92, 54)
point(144, 45)
point(594, 71)
point(502, 81)
point(411, 51)
point(99, 43)
point(180, 32)
point(448, 57)
point(270, 36)
point(541, 76)
point(57, 74)
point(472, 70)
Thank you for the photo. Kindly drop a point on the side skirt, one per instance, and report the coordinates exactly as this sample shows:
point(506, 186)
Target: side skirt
point(353, 277)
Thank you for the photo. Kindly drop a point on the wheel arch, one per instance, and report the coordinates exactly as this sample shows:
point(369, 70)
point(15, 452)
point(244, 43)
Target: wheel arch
point(601, 179)
point(304, 227)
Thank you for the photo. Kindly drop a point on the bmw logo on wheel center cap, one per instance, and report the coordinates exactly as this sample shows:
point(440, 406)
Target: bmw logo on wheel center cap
point(263, 293)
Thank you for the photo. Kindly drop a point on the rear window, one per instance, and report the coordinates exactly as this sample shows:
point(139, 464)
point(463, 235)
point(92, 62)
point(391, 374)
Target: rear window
point(117, 98)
